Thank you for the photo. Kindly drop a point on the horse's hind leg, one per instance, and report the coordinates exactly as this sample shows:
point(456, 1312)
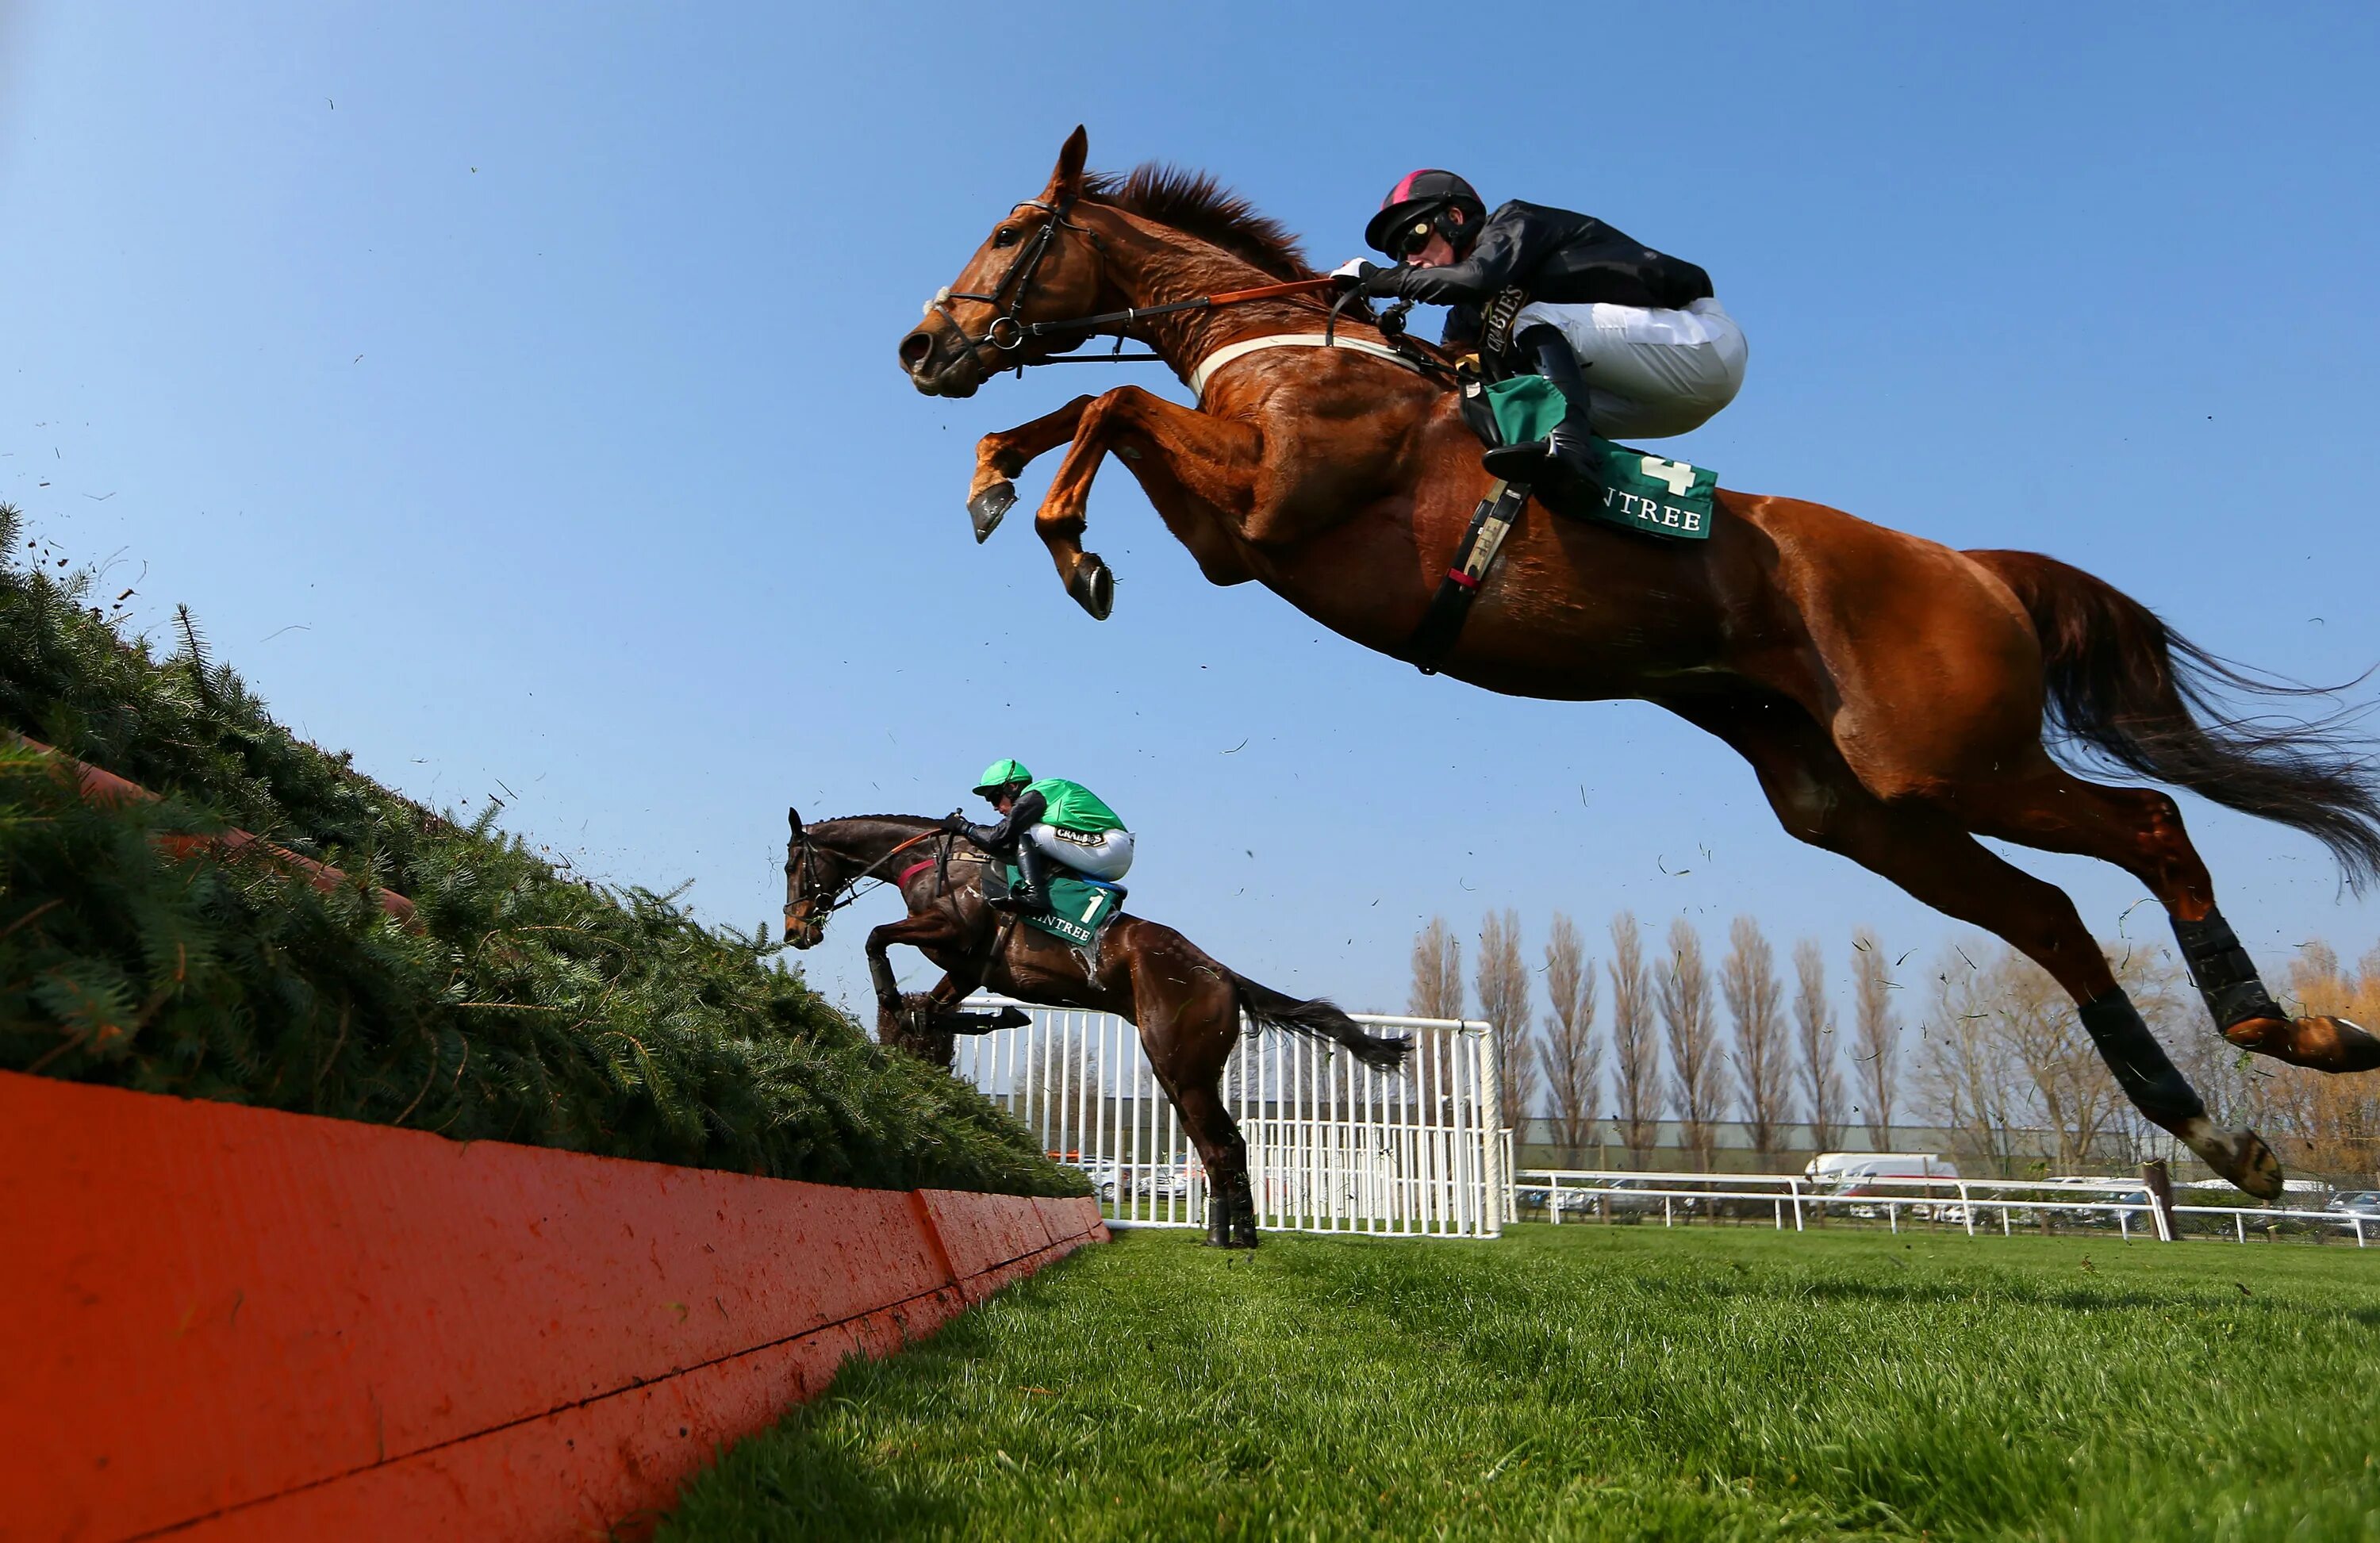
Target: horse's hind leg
point(1189, 1020)
point(2140, 831)
point(1929, 855)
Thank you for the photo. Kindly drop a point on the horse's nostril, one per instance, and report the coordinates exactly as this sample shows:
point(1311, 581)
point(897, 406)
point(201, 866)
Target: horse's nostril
point(916, 350)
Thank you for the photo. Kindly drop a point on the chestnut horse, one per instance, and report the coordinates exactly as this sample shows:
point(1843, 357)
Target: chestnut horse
point(1186, 1006)
point(1891, 693)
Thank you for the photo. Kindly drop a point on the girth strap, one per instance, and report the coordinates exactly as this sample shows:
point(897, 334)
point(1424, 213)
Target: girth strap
point(1442, 623)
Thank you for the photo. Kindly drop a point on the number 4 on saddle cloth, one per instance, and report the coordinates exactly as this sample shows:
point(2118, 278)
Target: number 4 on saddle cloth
point(1639, 492)
point(1080, 908)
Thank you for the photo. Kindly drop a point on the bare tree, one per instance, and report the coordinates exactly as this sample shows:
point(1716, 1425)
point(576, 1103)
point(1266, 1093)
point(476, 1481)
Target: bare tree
point(1503, 986)
point(1635, 1059)
point(1877, 1030)
point(1698, 1093)
point(1747, 979)
point(1569, 1053)
point(1814, 1019)
point(2073, 1096)
point(1966, 1073)
point(2337, 1119)
point(1437, 972)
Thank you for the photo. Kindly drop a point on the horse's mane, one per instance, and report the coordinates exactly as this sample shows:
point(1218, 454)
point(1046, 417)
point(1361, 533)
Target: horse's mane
point(1195, 204)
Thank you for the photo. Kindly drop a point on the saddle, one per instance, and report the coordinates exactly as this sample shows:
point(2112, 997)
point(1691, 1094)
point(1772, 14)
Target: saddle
point(1080, 906)
point(1632, 489)
point(1636, 491)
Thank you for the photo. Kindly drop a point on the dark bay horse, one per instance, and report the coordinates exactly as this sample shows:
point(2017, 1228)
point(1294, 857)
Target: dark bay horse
point(1891, 693)
point(1185, 1005)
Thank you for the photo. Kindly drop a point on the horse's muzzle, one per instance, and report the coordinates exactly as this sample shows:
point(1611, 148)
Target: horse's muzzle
point(939, 362)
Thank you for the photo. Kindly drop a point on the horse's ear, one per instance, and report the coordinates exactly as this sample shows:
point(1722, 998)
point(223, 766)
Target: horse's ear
point(793, 819)
point(1066, 181)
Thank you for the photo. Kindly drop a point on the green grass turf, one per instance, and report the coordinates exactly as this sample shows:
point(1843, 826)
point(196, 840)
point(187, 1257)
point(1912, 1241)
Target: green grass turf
point(1591, 1382)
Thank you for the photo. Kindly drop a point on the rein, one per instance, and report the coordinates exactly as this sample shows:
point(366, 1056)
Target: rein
point(1125, 317)
point(852, 884)
point(1009, 334)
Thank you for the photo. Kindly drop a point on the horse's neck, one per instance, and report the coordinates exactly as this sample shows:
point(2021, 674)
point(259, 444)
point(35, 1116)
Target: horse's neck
point(865, 839)
point(1150, 265)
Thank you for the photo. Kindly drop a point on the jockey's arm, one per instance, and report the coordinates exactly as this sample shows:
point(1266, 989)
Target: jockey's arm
point(1022, 816)
point(1499, 258)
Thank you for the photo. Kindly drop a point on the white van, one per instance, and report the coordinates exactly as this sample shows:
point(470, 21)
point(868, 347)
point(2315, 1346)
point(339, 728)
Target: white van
point(1838, 1168)
point(1860, 1174)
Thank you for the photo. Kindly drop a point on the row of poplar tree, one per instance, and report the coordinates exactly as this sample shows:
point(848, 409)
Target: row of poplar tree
point(1976, 1045)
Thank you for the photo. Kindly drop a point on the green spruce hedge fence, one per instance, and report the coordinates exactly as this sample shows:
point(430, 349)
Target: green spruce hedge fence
point(530, 1007)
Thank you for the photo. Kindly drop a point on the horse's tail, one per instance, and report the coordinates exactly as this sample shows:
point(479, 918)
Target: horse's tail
point(2145, 699)
point(1320, 1020)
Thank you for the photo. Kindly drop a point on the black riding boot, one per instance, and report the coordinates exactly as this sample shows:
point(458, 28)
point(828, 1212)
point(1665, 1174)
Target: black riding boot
point(1564, 459)
point(1030, 895)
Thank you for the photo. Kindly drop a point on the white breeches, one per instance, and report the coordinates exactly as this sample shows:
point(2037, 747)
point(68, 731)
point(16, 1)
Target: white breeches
point(1649, 373)
point(1104, 855)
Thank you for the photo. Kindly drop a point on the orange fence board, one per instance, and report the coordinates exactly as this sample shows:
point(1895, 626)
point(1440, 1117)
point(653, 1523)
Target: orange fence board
point(239, 1314)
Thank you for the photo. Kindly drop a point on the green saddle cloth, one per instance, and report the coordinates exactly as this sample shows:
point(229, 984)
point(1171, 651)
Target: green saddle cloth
point(1640, 491)
point(1078, 909)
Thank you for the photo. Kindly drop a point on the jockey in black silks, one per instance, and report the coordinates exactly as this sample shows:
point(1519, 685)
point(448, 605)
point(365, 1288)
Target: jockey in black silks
point(1634, 338)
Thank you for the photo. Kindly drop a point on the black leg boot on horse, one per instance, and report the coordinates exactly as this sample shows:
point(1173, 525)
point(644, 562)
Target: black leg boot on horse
point(2249, 1017)
point(1244, 1213)
point(1562, 464)
point(1232, 1213)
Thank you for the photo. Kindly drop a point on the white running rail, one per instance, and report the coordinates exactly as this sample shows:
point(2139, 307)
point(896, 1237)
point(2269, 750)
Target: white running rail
point(1333, 1144)
point(1588, 1192)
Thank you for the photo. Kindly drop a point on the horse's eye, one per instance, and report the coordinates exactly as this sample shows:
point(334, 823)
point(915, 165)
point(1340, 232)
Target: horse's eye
point(1006, 236)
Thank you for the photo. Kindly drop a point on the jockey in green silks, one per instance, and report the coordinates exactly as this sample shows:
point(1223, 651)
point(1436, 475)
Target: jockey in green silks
point(1046, 821)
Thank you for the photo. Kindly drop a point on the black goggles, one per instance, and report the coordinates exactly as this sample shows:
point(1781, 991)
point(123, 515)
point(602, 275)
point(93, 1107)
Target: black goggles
point(1411, 237)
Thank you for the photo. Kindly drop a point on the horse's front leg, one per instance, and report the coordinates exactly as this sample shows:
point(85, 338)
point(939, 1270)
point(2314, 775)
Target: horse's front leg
point(1193, 469)
point(920, 932)
point(1001, 458)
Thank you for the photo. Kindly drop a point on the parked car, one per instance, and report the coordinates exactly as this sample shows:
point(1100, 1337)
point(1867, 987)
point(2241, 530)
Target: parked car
point(2363, 1203)
point(1163, 1184)
point(1102, 1171)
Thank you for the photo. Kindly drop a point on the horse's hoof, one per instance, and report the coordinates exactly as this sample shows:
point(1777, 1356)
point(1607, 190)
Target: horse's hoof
point(1093, 587)
point(986, 506)
point(2322, 1043)
point(2238, 1157)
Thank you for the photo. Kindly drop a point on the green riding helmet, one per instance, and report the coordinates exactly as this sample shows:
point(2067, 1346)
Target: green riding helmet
point(1001, 774)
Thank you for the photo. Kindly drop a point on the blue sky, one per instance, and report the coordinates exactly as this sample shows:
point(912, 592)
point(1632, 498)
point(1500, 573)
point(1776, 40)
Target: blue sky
point(511, 394)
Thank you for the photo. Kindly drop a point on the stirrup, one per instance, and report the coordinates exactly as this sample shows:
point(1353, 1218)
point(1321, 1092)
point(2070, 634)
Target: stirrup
point(1525, 464)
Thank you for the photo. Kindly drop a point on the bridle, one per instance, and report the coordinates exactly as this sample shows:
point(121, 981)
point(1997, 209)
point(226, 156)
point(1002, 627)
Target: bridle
point(1006, 332)
point(843, 893)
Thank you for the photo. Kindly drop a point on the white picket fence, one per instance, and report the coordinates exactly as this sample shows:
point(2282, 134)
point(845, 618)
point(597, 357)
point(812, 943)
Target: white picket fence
point(1967, 1203)
point(1333, 1144)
